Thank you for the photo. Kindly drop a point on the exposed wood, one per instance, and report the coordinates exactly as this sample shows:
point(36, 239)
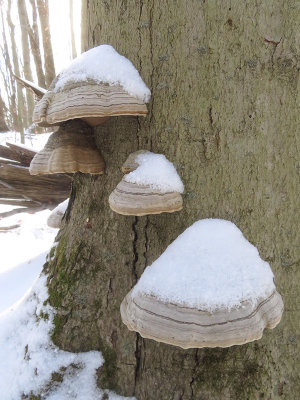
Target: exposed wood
point(19, 188)
point(8, 228)
point(37, 90)
point(22, 210)
point(17, 153)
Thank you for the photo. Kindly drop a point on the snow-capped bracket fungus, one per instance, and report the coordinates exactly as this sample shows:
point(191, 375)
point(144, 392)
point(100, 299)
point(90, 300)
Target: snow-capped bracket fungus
point(70, 149)
point(98, 84)
point(152, 187)
point(210, 288)
point(56, 216)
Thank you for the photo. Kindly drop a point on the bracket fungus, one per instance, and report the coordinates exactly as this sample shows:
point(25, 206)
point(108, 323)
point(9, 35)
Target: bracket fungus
point(152, 187)
point(56, 216)
point(210, 288)
point(70, 149)
point(98, 84)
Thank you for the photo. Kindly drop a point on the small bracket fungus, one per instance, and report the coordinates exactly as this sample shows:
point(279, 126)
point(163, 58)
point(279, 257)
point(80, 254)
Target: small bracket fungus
point(152, 187)
point(210, 288)
point(98, 84)
point(70, 149)
point(56, 216)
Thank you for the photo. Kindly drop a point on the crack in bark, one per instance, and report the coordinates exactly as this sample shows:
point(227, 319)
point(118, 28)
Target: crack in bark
point(140, 34)
point(146, 241)
point(109, 291)
point(152, 64)
point(193, 373)
point(134, 248)
point(138, 360)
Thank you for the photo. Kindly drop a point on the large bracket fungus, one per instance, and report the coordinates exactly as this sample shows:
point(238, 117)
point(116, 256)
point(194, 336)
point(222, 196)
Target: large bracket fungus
point(70, 149)
point(152, 187)
point(98, 84)
point(210, 288)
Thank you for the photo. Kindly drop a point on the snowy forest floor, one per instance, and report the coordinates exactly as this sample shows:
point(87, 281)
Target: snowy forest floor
point(31, 363)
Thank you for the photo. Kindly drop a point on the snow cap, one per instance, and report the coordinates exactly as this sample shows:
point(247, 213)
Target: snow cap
point(98, 84)
point(152, 187)
point(209, 288)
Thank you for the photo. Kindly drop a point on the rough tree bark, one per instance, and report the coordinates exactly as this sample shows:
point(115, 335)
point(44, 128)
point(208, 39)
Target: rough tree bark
point(23, 18)
point(224, 77)
point(43, 10)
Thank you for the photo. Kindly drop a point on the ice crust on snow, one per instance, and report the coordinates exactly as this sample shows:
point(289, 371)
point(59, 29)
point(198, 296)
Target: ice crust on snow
point(104, 64)
point(157, 172)
point(209, 266)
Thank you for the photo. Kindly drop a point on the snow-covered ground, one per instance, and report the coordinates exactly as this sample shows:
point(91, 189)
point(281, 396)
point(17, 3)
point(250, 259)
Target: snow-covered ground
point(28, 356)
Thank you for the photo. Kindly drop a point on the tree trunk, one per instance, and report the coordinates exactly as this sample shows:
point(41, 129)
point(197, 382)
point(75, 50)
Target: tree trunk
point(22, 120)
point(43, 10)
point(33, 34)
point(225, 110)
point(74, 53)
point(3, 125)
point(7, 76)
point(23, 17)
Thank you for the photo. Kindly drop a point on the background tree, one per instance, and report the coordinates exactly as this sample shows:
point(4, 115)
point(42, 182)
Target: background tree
point(23, 18)
point(21, 104)
point(74, 53)
point(3, 125)
point(43, 9)
point(225, 109)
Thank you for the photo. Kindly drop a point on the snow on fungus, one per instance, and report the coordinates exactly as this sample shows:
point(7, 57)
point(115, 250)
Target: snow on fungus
point(56, 216)
point(70, 149)
point(155, 171)
point(152, 187)
point(98, 84)
point(210, 288)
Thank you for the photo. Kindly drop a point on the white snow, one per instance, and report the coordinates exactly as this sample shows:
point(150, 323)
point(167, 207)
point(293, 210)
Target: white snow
point(157, 172)
point(61, 208)
point(105, 64)
point(209, 266)
point(54, 219)
point(32, 141)
point(32, 238)
point(31, 358)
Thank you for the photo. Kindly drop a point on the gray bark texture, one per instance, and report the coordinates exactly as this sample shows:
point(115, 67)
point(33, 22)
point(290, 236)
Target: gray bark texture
point(224, 77)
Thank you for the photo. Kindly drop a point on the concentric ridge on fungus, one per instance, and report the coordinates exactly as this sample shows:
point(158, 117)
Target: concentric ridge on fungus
point(188, 327)
point(70, 149)
point(87, 100)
